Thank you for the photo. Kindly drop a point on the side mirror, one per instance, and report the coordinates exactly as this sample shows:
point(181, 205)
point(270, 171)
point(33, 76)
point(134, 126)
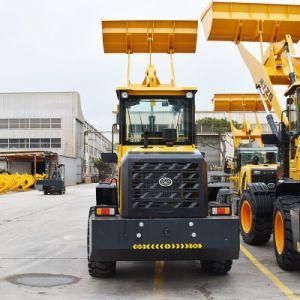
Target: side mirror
point(109, 157)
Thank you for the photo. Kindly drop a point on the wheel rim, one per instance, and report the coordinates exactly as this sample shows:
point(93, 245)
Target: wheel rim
point(246, 216)
point(279, 232)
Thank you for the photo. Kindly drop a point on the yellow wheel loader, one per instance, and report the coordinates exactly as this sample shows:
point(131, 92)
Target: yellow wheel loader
point(159, 208)
point(278, 25)
point(253, 169)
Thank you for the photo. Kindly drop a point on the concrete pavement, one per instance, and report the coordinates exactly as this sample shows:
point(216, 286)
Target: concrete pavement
point(47, 235)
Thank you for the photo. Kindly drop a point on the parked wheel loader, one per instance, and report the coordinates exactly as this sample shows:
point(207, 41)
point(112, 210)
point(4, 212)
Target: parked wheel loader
point(278, 25)
point(159, 209)
point(253, 168)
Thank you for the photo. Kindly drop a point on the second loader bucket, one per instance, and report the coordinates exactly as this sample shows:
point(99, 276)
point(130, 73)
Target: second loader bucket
point(240, 21)
point(238, 102)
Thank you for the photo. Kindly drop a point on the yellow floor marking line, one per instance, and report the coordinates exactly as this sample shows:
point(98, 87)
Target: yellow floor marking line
point(287, 291)
point(158, 276)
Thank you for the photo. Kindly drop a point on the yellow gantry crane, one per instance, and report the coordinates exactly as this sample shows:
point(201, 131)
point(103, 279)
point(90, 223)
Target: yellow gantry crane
point(252, 163)
point(279, 26)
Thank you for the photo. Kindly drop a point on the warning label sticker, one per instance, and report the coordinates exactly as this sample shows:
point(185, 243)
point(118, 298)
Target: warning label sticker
point(171, 246)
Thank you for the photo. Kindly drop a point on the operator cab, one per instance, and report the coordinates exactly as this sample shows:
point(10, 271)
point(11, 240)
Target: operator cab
point(256, 156)
point(148, 120)
point(293, 115)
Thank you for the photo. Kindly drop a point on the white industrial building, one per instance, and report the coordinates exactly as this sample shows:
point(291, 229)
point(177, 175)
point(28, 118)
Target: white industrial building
point(36, 125)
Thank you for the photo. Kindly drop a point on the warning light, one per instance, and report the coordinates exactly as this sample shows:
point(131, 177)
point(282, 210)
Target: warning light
point(220, 211)
point(105, 211)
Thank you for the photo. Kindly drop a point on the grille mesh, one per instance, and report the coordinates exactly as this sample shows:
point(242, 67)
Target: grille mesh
point(148, 193)
point(266, 176)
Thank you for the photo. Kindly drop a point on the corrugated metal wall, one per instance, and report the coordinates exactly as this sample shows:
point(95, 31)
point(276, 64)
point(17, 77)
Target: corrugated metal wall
point(71, 168)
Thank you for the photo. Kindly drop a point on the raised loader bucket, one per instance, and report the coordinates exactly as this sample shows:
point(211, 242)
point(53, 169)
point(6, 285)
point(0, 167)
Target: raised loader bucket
point(236, 21)
point(241, 103)
point(238, 102)
point(178, 36)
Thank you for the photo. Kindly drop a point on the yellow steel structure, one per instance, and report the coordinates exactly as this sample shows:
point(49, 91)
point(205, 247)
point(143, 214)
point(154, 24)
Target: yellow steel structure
point(238, 102)
point(18, 182)
point(253, 22)
point(241, 103)
point(245, 136)
point(246, 133)
point(149, 36)
point(278, 25)
point(160, 171)
point(178, 36)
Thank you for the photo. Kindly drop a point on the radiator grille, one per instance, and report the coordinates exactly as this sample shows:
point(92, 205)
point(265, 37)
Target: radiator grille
point(266, 176)
point(148, 193)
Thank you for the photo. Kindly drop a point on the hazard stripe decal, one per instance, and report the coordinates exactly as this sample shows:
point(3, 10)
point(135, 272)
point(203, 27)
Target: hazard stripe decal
point(171, 246)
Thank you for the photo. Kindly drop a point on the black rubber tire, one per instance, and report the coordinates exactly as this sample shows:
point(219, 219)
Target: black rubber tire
point(96, 268)
point(102, 269)
point(215, 267)
point(289, 260)
point(261, 230)
point(45, 191)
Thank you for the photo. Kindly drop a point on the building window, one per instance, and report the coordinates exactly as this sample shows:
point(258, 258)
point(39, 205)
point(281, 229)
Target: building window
point(35, 143)
point(3, 123)
point(18, 143)
point(3, 143)
point(45, 143)
point(24, 123)
point(55, 143)
point(24, 143)
point(45, 123)
point(30, 143)
point(35, 123)
point(14, 143)
point(14, 123)
point(30, 123)
point(55, 123)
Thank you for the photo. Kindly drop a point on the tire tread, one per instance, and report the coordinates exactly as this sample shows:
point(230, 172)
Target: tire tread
point(290, 259)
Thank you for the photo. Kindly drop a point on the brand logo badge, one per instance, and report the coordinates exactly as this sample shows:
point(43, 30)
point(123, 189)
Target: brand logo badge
point(271, 185)
point(165, 181)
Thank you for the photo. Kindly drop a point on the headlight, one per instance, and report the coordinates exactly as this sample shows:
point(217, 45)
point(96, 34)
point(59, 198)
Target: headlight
point(256, 172)
point(189, 95)
point(124, 95)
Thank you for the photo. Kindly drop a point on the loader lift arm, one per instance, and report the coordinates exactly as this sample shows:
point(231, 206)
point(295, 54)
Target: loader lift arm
point(278, 25)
